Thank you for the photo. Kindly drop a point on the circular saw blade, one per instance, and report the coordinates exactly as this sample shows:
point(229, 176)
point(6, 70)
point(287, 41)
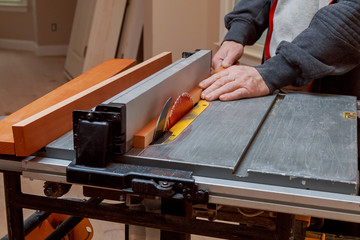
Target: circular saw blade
point(182, 105)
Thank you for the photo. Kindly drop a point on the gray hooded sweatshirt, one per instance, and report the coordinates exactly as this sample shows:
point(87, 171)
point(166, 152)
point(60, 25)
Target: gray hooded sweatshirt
point(306, 40)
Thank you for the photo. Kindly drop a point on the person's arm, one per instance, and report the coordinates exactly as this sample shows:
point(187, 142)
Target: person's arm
point(248, 21)
point(245, 24)
point(329, 46)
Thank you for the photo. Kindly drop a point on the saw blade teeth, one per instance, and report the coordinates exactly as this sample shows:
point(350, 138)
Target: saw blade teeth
point(178, 99)
point(181, 106)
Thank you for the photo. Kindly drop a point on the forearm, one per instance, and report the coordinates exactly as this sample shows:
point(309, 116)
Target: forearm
point(247, 22)
point(329, 46)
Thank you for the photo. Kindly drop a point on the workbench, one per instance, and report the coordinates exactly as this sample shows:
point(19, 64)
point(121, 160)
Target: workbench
point(282, 155)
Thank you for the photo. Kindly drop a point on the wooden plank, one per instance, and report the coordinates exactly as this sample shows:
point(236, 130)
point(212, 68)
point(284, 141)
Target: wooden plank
point(40, 129)
point(144, 137)
point(195, 94)
point(79, 84)
point(132, 30)
point(79, 39)
point(105, 32)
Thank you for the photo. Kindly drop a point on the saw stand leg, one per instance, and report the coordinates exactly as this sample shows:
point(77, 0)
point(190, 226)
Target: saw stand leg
point(285, 226)
point(14, 213)
point(178, 208)
point(174, 207)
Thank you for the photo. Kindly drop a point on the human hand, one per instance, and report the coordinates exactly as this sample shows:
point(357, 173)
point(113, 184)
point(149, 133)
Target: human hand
point(234, 83)
point(228, 54)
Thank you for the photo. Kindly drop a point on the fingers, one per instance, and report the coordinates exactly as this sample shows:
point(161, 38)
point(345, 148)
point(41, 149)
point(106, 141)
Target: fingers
point(228, 54)
point(219, 88)
point(217, 70)
point(233, 83)
point(217, 63)
point(210, 80)
point(226, 58)
point(219, 58)
point(230, 59)
point(235, 95)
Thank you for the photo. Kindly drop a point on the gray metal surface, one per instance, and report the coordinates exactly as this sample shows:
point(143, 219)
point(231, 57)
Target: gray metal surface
point(10, 164)
point(233, 193)
point(217, 138)
point(305, 142)
point(61, 148)
point(282, 199)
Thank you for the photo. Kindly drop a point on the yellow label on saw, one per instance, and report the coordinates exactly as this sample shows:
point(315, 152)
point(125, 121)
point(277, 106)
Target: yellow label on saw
point(181, 125)
point(350, 115)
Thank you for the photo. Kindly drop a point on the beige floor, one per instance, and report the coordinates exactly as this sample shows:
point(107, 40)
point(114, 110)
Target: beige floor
point(24, 78)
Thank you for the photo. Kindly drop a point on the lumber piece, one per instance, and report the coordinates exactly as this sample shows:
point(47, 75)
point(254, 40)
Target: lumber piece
point(90, 78)
point(36, 131)
point(218, 70)
point(144, 137)
point(195, 94)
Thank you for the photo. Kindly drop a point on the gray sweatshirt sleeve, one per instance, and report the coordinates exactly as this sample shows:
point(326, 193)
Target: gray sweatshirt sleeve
point(329, 46)
point(247, 22)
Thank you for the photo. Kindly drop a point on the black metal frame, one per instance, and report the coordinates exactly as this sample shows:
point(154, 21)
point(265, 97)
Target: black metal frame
point(16, 201)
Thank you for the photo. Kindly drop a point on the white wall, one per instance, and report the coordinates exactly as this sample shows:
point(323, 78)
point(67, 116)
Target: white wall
point(178, 26)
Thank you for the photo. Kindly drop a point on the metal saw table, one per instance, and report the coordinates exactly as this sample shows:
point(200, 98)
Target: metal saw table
point(293, 154)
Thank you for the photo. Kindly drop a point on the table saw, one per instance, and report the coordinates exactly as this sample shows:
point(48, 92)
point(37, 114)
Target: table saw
point(290, 155)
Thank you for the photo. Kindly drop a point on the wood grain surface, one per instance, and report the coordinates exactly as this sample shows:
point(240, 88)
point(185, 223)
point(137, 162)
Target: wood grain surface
point(97, 74)
point(36, 131)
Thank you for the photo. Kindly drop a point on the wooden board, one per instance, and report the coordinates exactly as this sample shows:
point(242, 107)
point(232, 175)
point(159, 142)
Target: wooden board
point(40, 129)
point(79, 38)
point(104, 36)
point(95, 34)
point(79, 84)
point(144, 137)
point(132, 29)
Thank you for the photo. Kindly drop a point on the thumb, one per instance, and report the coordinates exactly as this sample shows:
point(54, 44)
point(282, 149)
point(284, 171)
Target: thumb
point(216, 64)
point(229, 60)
